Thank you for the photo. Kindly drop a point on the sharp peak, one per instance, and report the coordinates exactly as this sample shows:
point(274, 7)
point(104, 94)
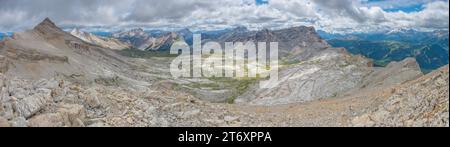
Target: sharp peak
point(76, 30)
point(47, 24)
point(47, 21)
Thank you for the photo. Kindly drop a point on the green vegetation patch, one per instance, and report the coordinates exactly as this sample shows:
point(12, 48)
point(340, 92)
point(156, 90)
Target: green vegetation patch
point(136, 53)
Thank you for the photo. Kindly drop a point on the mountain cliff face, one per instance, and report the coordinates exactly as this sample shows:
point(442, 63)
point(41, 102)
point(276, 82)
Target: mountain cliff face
point(104, 42)
point(164, 42)
point(187, 35)
point(138, 38)
point(295, 44)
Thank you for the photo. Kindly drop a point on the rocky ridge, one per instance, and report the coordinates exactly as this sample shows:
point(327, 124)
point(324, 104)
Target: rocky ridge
point(104, 42)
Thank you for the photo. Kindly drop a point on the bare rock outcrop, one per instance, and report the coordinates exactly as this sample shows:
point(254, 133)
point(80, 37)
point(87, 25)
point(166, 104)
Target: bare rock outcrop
point(326, 75)
point(394, 73)
point(422, 102)
point(104, 42)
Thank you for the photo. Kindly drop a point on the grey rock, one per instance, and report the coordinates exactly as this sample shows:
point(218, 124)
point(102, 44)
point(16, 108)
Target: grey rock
point(30, 105)
point(46, 120)
point(72, 114)
point(4, 122)
point(19, 122)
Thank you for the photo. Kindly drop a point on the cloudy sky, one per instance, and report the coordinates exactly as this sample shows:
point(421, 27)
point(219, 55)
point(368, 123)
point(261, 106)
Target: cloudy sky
point(328, 15)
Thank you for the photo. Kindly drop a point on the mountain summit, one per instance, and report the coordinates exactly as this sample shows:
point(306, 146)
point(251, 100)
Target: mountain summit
point(47, 26)
point(47, 22)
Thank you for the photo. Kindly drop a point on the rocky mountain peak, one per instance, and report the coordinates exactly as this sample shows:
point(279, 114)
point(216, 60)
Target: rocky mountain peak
point(307, 28)
point(186, 33)
point(76, 31)
point(185, 30)
point(240, 29)
point(265, 35)
point(47, 21)
point(137, 30)
point(173, 34)
point(46, 24)
point(48, 29)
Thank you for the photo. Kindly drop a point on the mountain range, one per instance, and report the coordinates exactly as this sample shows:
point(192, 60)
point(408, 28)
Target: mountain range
point(52, 78)
point(142, 40)
point(429, 48)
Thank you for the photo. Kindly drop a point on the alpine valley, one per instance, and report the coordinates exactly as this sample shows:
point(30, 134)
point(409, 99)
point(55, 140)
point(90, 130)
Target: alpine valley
point(53, 78)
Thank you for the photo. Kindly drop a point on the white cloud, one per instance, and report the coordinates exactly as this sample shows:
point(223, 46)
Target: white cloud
point(331, 15)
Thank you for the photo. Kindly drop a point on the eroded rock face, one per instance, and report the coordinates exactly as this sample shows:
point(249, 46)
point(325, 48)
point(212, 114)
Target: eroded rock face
point(422, 102)
point(323, 76)
point(331, 73)
point(296, 43)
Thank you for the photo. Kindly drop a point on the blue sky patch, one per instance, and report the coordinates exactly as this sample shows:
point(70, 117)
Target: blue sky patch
point(407, 9)
point(261, 2)
point(396, 6)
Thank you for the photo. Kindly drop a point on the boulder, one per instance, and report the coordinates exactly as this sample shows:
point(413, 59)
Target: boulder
point(4, 122)
point(72, 114)
point(19, 122)
point(30, 105)
point(46, 120)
